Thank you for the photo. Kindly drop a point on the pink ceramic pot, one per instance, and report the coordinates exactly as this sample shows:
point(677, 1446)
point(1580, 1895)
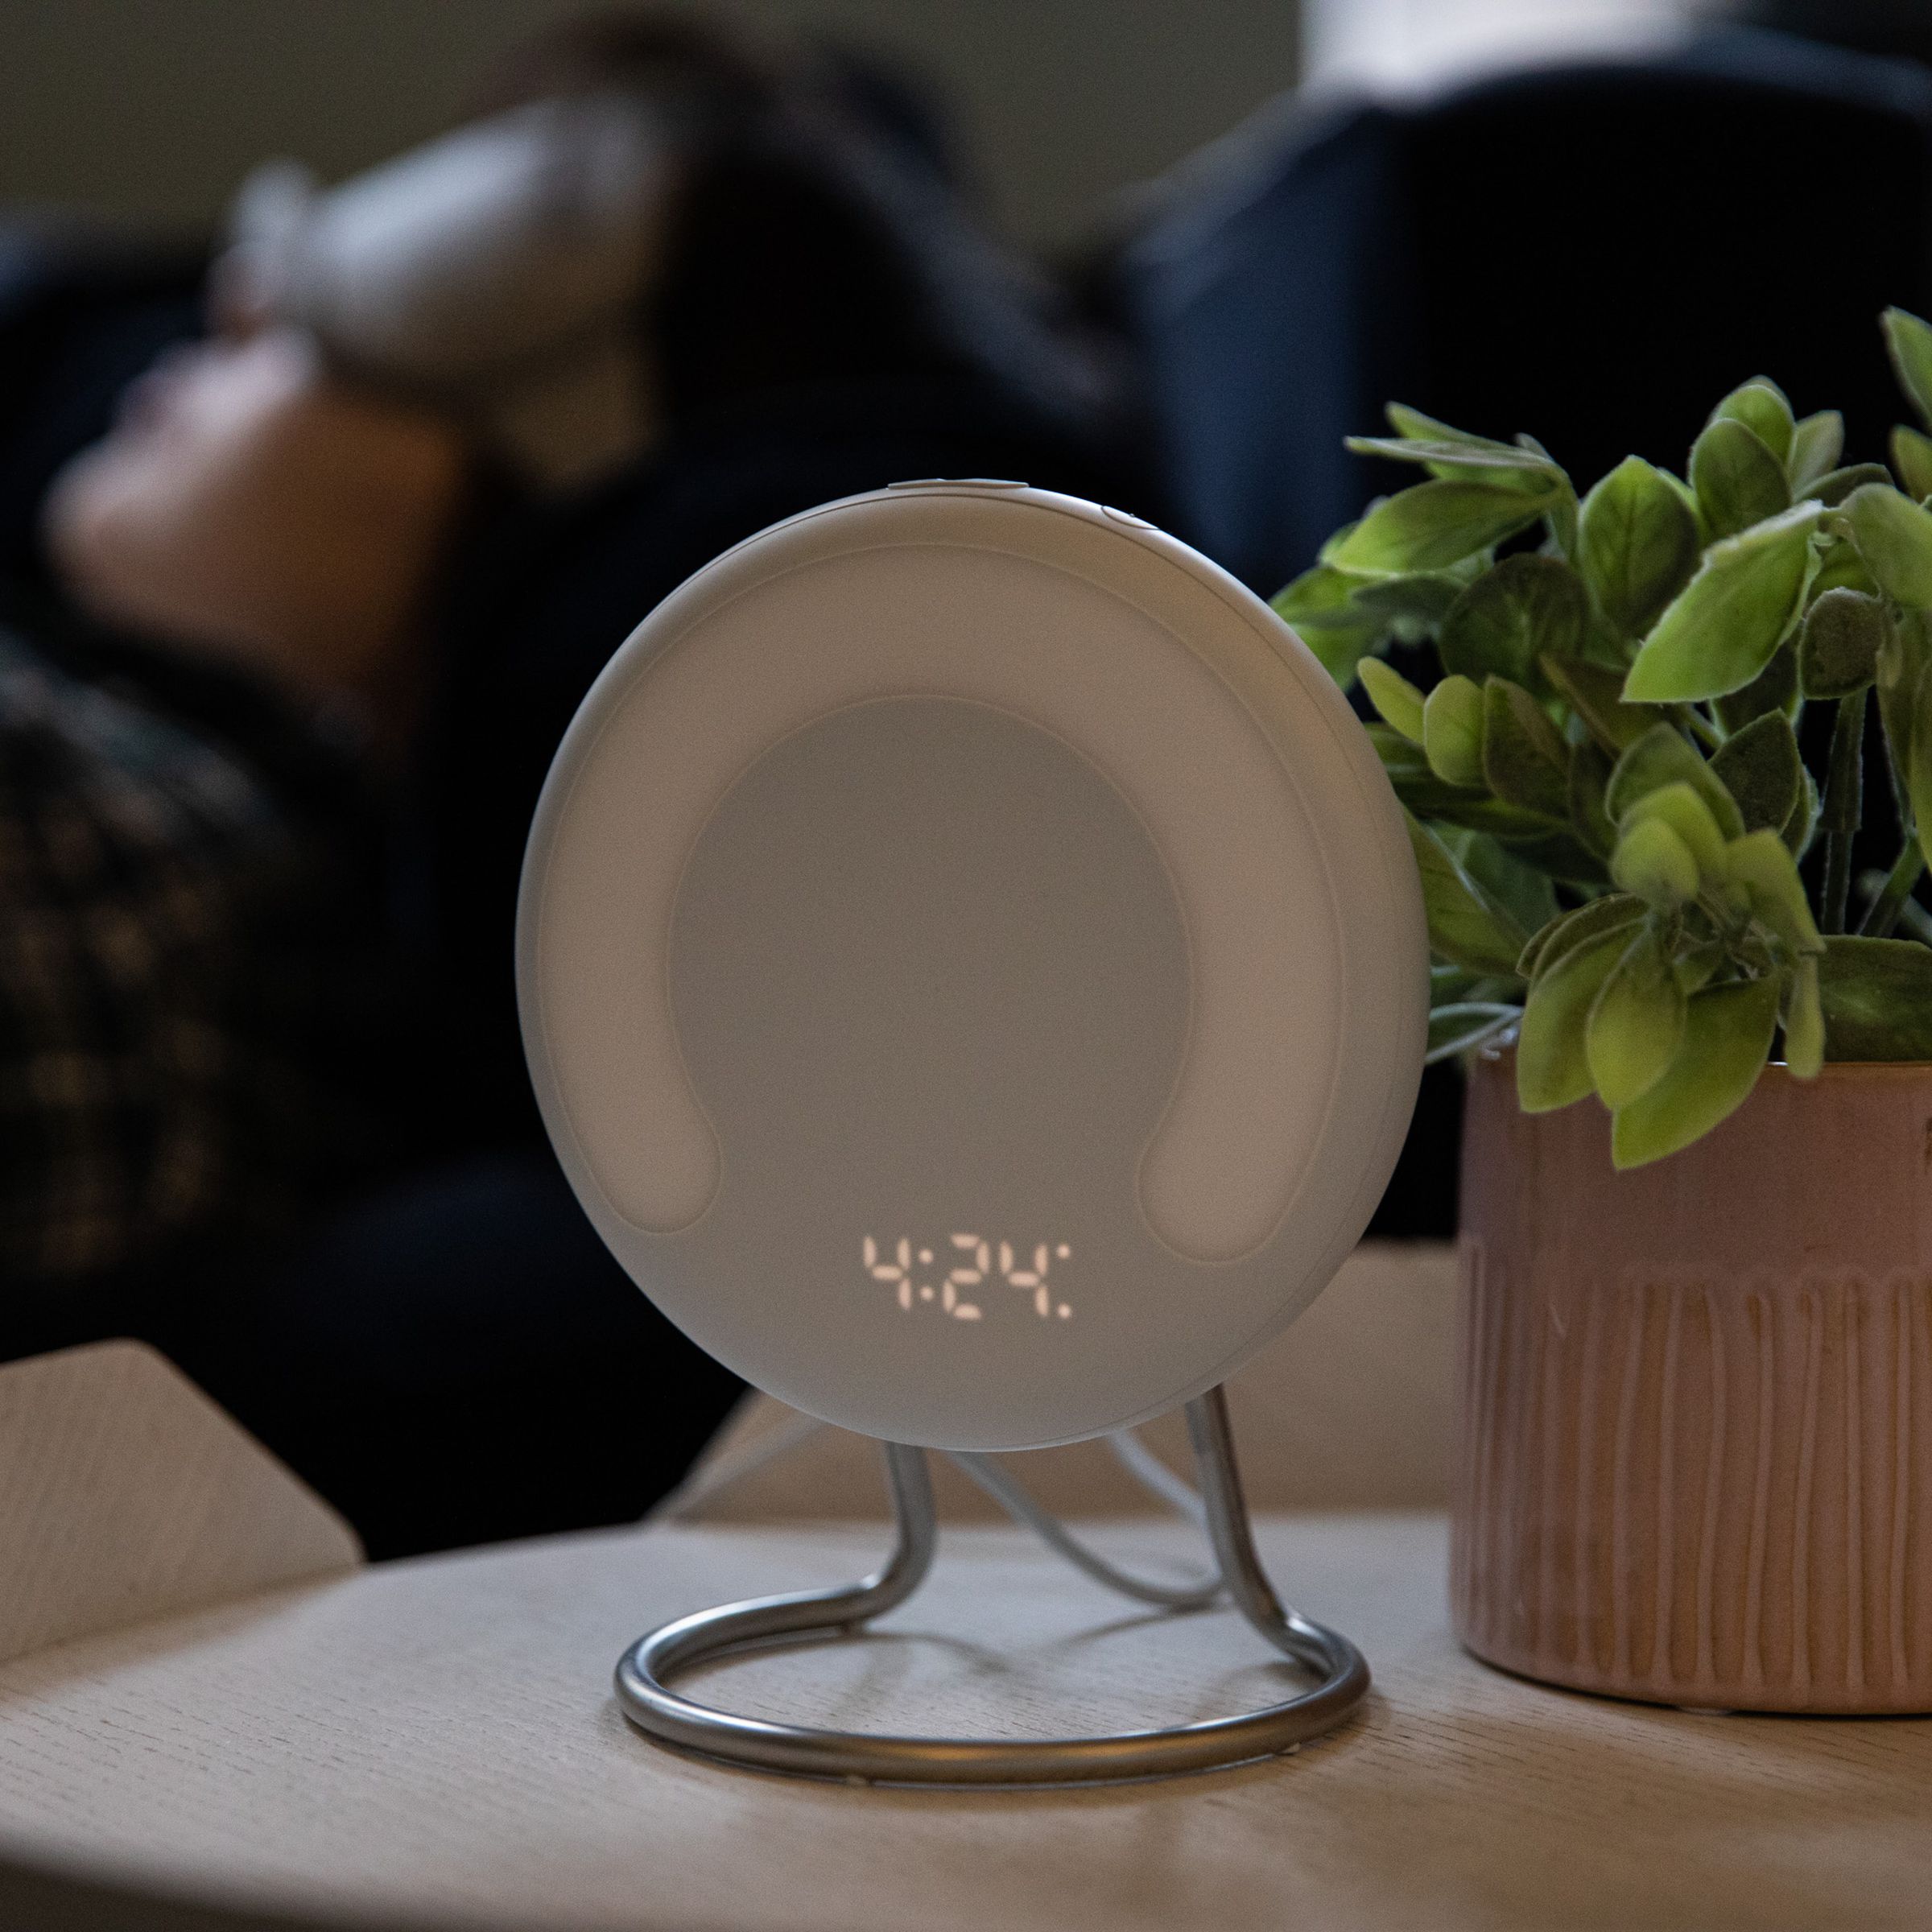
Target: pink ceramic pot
point(1695, 1455)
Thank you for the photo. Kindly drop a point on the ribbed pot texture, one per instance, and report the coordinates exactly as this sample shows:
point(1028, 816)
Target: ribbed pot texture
point(1695, 1455)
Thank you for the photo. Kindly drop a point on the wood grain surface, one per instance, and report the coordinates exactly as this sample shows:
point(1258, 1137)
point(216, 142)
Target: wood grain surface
point(435, 1743)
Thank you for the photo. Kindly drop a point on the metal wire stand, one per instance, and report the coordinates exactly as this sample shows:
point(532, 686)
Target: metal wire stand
point(644, 1670)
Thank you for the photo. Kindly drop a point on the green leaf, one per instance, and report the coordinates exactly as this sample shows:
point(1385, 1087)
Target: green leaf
point(1425, 794)
point(1803, 822)
point(1841, 568)
point(1837, 649)
point(1402, 758)
point(1398, 701)
point(1615, 912)
point(1590, 769)
point(1413, 425)
point(1909, 342)
point(1696, 969)
point(1662, 756)
point(1315, 607)
point(1522, 890)
point(1739, 480)
point(1415, 784)
point(1412, 606)
point(1876, 996)
point(1774, 689)
point(1727, 1032)
point(1832, 488)
point(1526, 606)
point(1894, 536)
point(1318, 595)
point(1918, 763)
point(1325, 554)
point(1635, 1023)
point(1760, 767)
point(1902, 678)
point(1818, 446)
point(1432, 525)
point(1682, 807)
point(1525, 761)
point(1760, 406)
point(1804, 1023)
point(1325, 597)
point(1912, 462)
point(1465, 1026)
point(1477, 812)
point(1762, 864)
point(1552, 1063)
point(1637, 543)
point(1652, 861)
point(1721, 630)
point(1452, 731)
point(1687, 497)
point(1466, 924)
point(1595, 694)
point(1447, 457)
point(1560, 853)
point(1561, 513)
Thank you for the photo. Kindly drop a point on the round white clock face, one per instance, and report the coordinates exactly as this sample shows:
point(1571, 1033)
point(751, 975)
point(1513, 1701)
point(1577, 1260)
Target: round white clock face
point(972, 966)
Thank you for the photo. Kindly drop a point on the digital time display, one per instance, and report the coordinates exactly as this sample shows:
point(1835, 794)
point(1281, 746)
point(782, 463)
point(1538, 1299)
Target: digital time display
point(920, 1277)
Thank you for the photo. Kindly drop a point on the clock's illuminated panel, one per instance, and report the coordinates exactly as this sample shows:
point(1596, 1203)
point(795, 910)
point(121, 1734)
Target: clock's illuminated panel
point(971, 967)
point(930, 981)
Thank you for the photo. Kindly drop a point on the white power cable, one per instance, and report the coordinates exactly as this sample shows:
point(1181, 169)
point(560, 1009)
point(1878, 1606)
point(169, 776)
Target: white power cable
point(1151, 1473)
point(1196, 1594)
point(1005, 1489)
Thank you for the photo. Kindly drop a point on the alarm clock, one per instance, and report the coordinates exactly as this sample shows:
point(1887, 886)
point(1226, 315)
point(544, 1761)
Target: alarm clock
point(972, 966)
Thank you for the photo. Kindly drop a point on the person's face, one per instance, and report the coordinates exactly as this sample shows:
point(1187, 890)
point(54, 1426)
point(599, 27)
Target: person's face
point(249, 504)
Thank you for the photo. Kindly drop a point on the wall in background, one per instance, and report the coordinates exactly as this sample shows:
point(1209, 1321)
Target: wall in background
point(149, 110)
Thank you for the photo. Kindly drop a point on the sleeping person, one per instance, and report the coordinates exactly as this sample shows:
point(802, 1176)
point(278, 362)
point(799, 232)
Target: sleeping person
point(306, 559)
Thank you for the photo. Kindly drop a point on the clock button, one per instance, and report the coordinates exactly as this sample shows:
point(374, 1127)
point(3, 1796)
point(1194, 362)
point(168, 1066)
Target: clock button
point(958, 483)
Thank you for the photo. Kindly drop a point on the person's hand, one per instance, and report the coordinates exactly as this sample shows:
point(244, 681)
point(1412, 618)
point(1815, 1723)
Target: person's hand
point(249, 506)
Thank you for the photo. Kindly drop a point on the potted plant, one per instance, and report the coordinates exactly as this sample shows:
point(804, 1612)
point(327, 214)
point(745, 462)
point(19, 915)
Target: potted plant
point(1696, 1354)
